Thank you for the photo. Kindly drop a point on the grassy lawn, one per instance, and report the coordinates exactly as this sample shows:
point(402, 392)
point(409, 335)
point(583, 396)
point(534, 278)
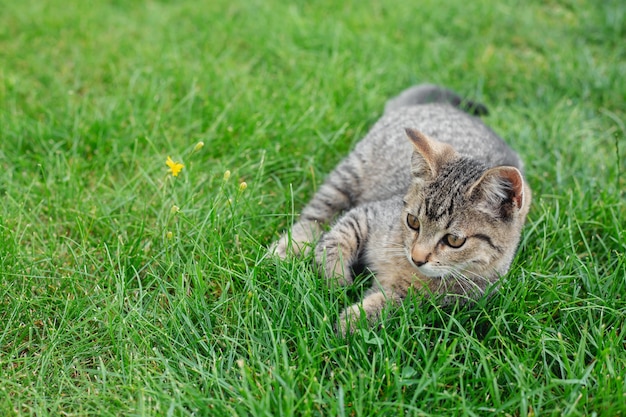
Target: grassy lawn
point(127, 291)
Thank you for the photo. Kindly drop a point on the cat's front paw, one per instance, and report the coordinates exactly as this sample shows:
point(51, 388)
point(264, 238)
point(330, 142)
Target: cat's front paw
point(369, 308)
point(297, 242)
point(280, 247)
point(332, 266)
point(348, 320)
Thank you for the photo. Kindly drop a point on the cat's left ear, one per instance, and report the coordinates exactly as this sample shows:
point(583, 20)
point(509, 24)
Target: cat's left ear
point(503, 191)
point(428, 156)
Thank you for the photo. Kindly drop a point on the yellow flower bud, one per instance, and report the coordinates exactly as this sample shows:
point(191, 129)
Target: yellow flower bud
point(226, 175)
point(198, 146)
point(243, 185)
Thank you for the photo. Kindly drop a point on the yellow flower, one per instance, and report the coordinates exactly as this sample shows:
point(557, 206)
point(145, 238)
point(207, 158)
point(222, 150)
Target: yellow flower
point(243, 185)
point(226, 175)
point(175, 209)
point(169, 235)
point(175, 167)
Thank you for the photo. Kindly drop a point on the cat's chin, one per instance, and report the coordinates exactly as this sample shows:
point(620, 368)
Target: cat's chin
point(430, 272)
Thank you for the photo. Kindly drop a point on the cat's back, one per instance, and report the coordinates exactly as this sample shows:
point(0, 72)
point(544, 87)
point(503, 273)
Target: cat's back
point(467, 134)
point(380, 162)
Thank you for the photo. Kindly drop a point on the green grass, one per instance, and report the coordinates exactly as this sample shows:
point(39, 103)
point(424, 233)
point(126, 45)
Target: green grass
point(112, 303)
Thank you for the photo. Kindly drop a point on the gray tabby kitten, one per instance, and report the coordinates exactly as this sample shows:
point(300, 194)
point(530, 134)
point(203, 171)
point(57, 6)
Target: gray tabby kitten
point(431, 199)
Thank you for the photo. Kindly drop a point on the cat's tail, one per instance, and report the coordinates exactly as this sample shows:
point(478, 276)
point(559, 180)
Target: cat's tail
point(430, 93)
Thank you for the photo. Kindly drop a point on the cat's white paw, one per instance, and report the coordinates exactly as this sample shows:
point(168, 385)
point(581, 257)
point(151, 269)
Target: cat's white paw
point(348, 320)
point(370, 309)
point(286, 247)
point(278, 250)
point(297, 242)
point(332, 266)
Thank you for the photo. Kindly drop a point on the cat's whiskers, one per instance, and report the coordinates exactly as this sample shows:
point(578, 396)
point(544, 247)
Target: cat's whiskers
point(396, 252)
point(463, 281)
point(481, 277)
point(475, 279)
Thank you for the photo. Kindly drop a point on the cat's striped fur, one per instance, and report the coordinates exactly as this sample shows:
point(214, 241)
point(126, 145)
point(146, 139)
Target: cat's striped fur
point(431, 198)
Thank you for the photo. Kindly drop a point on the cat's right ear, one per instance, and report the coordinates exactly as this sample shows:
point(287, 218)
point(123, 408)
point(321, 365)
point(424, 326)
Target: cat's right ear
point(502, 191)
point(428, 156)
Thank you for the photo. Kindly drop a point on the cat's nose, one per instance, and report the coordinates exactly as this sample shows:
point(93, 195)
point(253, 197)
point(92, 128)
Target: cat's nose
point(419, 255)
point(418, 263)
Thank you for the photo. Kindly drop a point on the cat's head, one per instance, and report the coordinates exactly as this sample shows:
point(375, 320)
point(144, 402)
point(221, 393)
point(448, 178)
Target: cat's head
point(461, 219)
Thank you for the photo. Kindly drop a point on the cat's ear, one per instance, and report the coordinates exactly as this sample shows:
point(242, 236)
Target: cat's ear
point(502, 191)
point(428, 156)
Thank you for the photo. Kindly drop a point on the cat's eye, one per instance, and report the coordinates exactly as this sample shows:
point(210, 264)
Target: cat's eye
point(413, 222)
point(454, 241)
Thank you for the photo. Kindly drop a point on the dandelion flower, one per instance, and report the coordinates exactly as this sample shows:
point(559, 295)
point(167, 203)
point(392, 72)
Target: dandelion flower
point(243, 185)
point(198, 146)
point(175, 167)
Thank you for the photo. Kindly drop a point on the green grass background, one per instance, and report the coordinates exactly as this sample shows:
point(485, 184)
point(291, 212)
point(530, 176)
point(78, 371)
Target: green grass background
point(113, 303)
